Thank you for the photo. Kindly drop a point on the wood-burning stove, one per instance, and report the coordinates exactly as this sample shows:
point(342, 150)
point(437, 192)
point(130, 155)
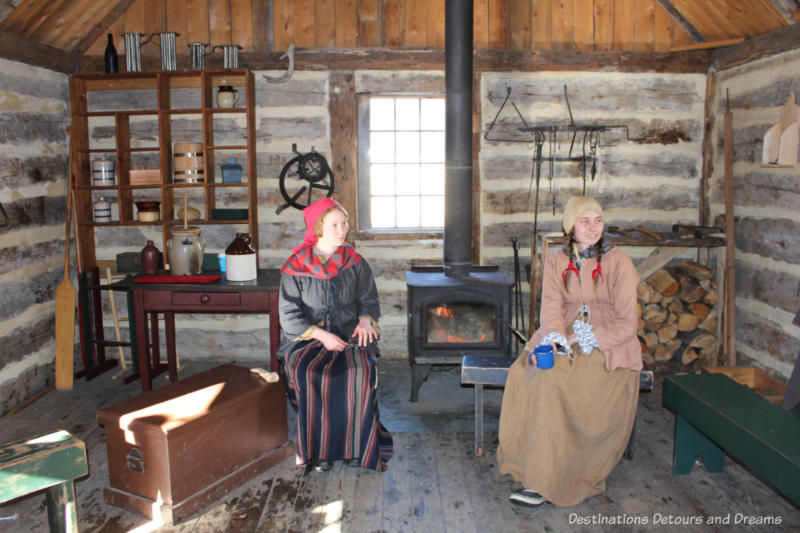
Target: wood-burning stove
point(449, 317)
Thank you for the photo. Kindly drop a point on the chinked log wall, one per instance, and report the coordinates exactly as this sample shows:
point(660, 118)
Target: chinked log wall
point(33, 159)
point(655, 183)
point(767, 218)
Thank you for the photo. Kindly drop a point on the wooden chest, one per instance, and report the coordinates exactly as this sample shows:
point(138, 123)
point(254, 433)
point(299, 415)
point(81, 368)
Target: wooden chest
point(176, 449)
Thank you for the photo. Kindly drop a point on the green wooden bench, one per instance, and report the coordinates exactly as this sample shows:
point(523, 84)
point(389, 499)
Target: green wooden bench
point(492, 370)
point(716, 415)
point(51, 462)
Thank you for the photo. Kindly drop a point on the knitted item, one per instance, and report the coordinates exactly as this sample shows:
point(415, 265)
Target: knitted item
point(586, 338)
point(558, 338)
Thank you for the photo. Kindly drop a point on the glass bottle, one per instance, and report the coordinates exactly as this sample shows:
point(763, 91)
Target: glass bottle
point(111, 59)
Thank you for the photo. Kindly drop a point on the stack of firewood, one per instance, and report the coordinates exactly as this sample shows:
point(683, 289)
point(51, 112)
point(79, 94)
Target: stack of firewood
point(678, 315)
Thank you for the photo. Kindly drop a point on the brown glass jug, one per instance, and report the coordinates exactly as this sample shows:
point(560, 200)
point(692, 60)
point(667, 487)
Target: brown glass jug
point(151, 258)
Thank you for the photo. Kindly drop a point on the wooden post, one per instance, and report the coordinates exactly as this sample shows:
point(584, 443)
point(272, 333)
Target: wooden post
point(730, 282)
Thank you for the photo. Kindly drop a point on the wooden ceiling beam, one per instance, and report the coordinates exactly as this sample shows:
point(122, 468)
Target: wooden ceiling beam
point(681, 20)
point(115, 13)
point(426, 59)
point(766, 45)
point(17, 48)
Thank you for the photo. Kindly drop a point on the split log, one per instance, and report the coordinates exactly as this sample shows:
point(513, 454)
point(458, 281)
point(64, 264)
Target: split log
point(650, 340)
point(673, 304)
point(702, 341)
point(654, 317)
point(664, 283)
point(709, 323)
point(646, 294)
point(667, 333)
point(687, 321)
point(665, 352)
point(688, 356)
point(695, 270)
point(699, 309)
point(690, 290)
point(711, 298)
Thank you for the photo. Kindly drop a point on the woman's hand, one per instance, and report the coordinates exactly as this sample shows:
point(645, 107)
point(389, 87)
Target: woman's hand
point(329, 340)
point(365, 332)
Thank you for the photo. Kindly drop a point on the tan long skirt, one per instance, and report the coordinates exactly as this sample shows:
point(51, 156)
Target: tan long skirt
point(564, 429)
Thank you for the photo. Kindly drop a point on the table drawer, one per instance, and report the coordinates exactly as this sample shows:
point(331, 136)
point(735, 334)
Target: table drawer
point(208, 299)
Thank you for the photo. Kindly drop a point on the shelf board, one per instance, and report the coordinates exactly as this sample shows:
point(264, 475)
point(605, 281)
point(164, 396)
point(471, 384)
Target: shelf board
point(110, 113)
point(223, 110)
point(230, 147)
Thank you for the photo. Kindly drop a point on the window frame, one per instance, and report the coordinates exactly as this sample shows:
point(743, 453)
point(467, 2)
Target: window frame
point(363, 168)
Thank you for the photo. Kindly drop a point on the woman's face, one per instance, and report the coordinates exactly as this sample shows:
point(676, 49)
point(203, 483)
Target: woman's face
point(334, 229)
point(588, 229)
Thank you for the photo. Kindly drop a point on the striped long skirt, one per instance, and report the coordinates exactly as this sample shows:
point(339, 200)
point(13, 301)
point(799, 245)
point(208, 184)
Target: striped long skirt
point(334, 394)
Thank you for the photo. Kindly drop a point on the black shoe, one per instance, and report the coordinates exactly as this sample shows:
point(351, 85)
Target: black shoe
point(321, 465)
point(354, 462)
point(527, 498)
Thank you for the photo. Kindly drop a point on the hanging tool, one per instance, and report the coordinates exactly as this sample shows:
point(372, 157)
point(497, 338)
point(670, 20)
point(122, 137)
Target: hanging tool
point(518, 313)
point(65, 302)
point(552, 175)
point(535, 173)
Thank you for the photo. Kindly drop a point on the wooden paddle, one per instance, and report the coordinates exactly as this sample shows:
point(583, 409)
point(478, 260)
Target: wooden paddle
point(65, 305)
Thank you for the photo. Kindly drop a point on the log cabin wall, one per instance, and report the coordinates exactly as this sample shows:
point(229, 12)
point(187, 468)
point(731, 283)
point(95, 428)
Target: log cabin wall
point(766, 208)
point(33, 136)
point(649, 175)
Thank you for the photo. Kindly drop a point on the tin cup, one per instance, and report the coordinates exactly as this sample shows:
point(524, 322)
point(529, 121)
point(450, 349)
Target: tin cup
point(544, 356)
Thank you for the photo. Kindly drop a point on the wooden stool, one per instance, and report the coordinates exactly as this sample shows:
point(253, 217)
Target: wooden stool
point(51, 462)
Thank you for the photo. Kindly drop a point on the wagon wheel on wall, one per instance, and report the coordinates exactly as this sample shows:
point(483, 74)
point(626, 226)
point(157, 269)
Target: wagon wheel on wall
point(305, 178)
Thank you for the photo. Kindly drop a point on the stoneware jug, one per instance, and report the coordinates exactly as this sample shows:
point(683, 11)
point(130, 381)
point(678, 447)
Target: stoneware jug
point(227, 96)
point(185, 251)
point(240, 259)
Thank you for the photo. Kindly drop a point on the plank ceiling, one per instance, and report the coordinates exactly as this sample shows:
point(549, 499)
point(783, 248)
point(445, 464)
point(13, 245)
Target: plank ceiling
point(77, 28)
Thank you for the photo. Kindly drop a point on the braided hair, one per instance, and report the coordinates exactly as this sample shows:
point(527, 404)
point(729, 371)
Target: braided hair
point(598, 252)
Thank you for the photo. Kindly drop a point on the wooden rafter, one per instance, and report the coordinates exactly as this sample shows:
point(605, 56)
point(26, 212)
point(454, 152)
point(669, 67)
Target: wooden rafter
point(115, 13)
point(681, 20)
point(18, 48)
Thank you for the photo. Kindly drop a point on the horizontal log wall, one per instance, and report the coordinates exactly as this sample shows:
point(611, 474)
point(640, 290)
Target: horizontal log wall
point(33, 160)
point(765, 206)
point(653, 182)
point(652, 179)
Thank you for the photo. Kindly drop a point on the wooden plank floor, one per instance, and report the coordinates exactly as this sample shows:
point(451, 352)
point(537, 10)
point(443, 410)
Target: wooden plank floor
point(434, 482)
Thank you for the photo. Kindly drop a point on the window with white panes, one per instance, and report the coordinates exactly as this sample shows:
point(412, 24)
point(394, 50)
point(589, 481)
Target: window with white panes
point(401, 163)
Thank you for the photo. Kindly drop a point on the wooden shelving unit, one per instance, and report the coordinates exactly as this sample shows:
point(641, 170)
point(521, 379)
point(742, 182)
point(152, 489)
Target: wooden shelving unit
point(149, 112)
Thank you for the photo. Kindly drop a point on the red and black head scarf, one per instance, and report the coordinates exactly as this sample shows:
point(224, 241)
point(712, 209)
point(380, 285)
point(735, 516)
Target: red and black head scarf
point(311, 214)
point(304, 262)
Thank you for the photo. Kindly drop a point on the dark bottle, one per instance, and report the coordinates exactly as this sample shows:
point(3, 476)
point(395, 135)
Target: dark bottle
point(112, 62)
point(151, 258)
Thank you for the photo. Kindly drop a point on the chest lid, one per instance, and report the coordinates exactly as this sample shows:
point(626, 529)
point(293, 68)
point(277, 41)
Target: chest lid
point(214, 393)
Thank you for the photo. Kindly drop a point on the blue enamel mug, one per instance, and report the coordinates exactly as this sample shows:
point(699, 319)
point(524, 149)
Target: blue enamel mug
point(544, 356)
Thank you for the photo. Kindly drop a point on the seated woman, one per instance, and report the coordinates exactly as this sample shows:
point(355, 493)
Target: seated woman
point(562, 430)
point(328, 312)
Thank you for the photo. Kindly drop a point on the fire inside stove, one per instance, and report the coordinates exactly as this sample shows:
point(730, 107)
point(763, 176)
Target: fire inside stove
point(466, 323)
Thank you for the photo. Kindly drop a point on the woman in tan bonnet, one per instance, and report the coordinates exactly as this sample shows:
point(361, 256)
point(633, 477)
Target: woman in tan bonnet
point(563, 429)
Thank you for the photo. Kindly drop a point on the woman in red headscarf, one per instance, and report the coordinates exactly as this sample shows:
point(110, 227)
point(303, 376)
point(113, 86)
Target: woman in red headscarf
point(329, 309)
